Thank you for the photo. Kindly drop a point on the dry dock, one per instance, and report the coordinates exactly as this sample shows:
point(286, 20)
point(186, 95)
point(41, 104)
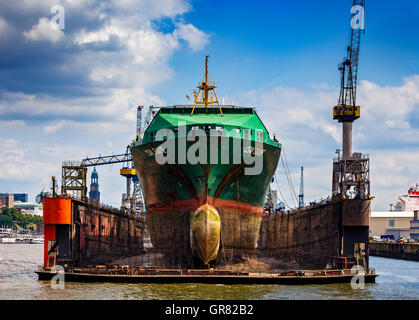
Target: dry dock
point(80, 235)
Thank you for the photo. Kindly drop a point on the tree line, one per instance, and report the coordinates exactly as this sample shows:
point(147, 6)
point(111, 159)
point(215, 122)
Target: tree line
point(11, 217)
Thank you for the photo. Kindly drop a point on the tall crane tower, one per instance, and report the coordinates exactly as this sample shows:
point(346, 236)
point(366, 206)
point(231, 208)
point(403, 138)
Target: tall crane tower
point(350, 170)
point(137, 200)
point(346, 111)
point(301, 194)
point(137, 197)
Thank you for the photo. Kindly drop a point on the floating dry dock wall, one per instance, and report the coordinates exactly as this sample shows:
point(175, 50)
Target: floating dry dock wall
point(81, 233)
point(320, 235)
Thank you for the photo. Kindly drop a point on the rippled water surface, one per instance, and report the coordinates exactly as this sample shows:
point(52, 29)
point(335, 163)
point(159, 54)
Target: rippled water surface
point(398, 279)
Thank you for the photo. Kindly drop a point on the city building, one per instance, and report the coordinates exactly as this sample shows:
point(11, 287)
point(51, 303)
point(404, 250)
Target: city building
point(29, 208)
point(22, 197)
point(94, 193)
point(7, 199)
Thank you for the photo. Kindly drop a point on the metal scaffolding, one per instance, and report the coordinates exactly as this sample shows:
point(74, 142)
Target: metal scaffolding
point(74, 179)
point(351, 176)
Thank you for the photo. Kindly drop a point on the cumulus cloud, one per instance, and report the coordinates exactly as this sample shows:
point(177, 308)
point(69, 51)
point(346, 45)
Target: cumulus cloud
point(80, 96)
point(148, 46)
point(114, 62)
point(196, 39)
point(286, 107)
point(390, 109)
point(44, 31)
point(15, 163)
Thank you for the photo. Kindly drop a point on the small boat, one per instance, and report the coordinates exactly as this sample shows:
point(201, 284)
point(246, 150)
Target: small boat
point(37, 241)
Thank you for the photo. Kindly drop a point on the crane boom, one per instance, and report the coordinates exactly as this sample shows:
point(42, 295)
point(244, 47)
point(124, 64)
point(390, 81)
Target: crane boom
point(115, 158)
point(346, 110)
point(349, 67)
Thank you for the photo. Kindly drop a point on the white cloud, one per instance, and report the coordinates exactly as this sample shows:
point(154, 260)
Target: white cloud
point(3, 25)
point(148, 46)
point(95, 36)
point(285, 107)
point(44, 31)
point(15, 163)
point(389, 110)
point(117, 106)
point(196, 39)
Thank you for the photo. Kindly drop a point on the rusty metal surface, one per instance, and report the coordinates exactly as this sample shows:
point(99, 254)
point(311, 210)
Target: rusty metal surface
point(100, 234)
point(356, 213)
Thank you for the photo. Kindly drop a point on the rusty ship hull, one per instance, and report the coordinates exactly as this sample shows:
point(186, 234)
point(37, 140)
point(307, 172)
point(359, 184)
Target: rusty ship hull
point(173, 192)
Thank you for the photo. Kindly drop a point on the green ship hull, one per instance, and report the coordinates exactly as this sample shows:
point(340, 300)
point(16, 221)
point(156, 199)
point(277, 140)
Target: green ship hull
point(173, 191)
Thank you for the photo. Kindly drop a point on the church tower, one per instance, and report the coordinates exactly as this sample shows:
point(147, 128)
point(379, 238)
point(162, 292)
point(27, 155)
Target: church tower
point(94, 193)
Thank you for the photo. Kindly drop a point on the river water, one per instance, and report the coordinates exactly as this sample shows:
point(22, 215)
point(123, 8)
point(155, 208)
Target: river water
point(398, 279)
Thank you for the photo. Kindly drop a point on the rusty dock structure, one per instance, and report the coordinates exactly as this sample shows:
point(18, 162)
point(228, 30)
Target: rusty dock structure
point(83, 232)
point(95, 243)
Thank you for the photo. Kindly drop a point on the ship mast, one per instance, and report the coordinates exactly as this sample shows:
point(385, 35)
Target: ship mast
point(206, 86)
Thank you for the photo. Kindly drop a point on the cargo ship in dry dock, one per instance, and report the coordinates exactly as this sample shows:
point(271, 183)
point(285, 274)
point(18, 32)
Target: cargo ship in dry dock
point(205, 170)
point(205, 187)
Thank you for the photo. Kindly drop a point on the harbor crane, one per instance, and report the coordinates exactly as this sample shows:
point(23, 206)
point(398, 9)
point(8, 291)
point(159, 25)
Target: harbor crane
point(74, 173)
point(351, 170)
point(301, 194)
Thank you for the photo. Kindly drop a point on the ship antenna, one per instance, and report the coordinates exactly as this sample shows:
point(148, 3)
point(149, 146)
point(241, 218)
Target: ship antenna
point(206, 86)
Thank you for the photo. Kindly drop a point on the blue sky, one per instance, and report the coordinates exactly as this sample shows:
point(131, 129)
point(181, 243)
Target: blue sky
point(65, 94)
point(295, 43)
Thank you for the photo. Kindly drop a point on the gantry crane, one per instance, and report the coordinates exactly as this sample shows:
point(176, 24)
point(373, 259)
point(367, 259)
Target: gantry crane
point(74, 173)
point(351, 171)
